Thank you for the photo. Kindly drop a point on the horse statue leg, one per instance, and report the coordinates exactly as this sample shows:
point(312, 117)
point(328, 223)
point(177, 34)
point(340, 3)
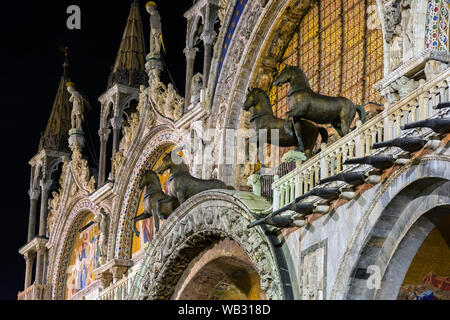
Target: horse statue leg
point(143, 216)
point(298, 133)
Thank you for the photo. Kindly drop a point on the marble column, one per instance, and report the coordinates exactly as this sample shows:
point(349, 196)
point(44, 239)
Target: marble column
point(40, 264)
point(29, 261)
point(190, 53)
point(208, 40)
point(104, 137)
point(34, 196)
point(45, 189)
point(117, 127)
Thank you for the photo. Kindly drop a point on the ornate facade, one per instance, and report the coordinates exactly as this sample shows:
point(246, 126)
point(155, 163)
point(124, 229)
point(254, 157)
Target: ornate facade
point(371, 242)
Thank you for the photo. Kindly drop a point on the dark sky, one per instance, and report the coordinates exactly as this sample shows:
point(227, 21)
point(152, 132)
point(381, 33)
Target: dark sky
point(31, 68)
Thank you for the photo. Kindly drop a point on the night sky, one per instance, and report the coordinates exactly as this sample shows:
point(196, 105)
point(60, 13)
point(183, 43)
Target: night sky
point(31, 69)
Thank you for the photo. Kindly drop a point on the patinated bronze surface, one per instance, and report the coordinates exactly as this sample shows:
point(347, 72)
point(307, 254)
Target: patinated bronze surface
point(156, 203)
point(412, 144)
point(181, 184)
point(306, 132)
point(304, 103)
point(378, 162)
point(440, 126)
point(353, 178)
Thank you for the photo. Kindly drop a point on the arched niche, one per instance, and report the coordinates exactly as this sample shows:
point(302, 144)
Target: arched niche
point(405, 197)
point(60, 259)
point(221, 272)
point(195, 228)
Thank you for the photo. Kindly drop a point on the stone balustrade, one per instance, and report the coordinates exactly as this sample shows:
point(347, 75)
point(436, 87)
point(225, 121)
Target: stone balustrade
point(385, 126)
point(34, 292)
point(118, 290)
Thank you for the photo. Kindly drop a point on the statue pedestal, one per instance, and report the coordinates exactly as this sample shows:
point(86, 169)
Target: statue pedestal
point(76, 136)
point(153, 63)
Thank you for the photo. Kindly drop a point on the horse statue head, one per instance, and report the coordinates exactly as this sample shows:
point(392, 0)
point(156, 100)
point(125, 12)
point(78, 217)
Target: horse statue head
point(253, 98)
point(173, 162)
point(293, 75)
point(149, 178)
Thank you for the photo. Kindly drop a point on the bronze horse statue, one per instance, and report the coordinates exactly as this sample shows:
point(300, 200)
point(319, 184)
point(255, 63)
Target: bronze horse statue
point(303, 102)
point(153, 204)
point(306, 132)
point(181, 184)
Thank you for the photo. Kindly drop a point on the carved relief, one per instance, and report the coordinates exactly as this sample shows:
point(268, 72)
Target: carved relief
point(80, 169)
point(197, 228)
point(313, 273)
point(166, 100)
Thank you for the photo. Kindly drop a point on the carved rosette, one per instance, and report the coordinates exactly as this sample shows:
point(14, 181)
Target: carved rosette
point(189, 232)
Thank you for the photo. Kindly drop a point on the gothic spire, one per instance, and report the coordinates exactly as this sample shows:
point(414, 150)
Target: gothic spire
point(58, 125)
point(129, 67)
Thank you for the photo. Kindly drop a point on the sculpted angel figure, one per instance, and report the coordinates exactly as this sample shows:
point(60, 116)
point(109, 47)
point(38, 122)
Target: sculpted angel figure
point(79, 104)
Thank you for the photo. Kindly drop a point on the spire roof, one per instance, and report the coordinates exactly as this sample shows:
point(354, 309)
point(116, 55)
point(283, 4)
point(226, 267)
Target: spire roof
point(58, 125)
point(129, 68)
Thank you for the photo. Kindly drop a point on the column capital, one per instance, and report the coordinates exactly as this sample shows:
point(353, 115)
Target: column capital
point(34, 194)
point(46, 185)
point(41, 249)
point(190, 52)
point(104, 133)
point(208, 37)
point(116, 123)
point(29, 256)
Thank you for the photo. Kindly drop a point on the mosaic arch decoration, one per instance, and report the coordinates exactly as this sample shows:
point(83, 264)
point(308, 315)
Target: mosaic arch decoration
point(74, 222)
point(85, 258)
point(237, 14)
point(161, 141)
point(437, 24)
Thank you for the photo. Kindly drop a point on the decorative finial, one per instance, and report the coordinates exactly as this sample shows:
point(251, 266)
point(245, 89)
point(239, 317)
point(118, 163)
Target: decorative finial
point(65, 50)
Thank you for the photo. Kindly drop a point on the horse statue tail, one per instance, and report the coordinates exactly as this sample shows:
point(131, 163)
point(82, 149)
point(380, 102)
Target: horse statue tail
point(362, 113)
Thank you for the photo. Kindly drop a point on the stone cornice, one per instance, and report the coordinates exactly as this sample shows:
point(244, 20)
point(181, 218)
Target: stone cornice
point(32, 246)
point(413, 65)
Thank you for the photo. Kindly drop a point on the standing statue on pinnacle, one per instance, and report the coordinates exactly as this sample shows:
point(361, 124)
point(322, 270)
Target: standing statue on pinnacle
point(79, 103)
point(155, 32)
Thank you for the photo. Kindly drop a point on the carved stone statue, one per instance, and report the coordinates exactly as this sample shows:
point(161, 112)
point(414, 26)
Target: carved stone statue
point(103, 222)
point(79, 103)
point(404, 86)
point(392, 18)
point(156, 30)
point(197, 85)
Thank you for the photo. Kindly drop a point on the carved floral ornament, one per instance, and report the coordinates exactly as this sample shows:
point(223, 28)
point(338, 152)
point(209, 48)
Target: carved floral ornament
point(186, 234)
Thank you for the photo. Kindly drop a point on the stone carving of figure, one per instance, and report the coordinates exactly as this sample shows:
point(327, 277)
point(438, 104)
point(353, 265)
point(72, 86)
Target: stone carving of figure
point(79, 103)
point(169, 107)
point(156, 30)
point(392, 18)
point(404, 86)
point(158, 92)
point(103, 221)
point(197, 85)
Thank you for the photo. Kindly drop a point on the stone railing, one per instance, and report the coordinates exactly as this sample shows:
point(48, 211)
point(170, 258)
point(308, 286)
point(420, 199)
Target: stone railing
point(119, 290)
point(386, 126)
point(35, 292)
